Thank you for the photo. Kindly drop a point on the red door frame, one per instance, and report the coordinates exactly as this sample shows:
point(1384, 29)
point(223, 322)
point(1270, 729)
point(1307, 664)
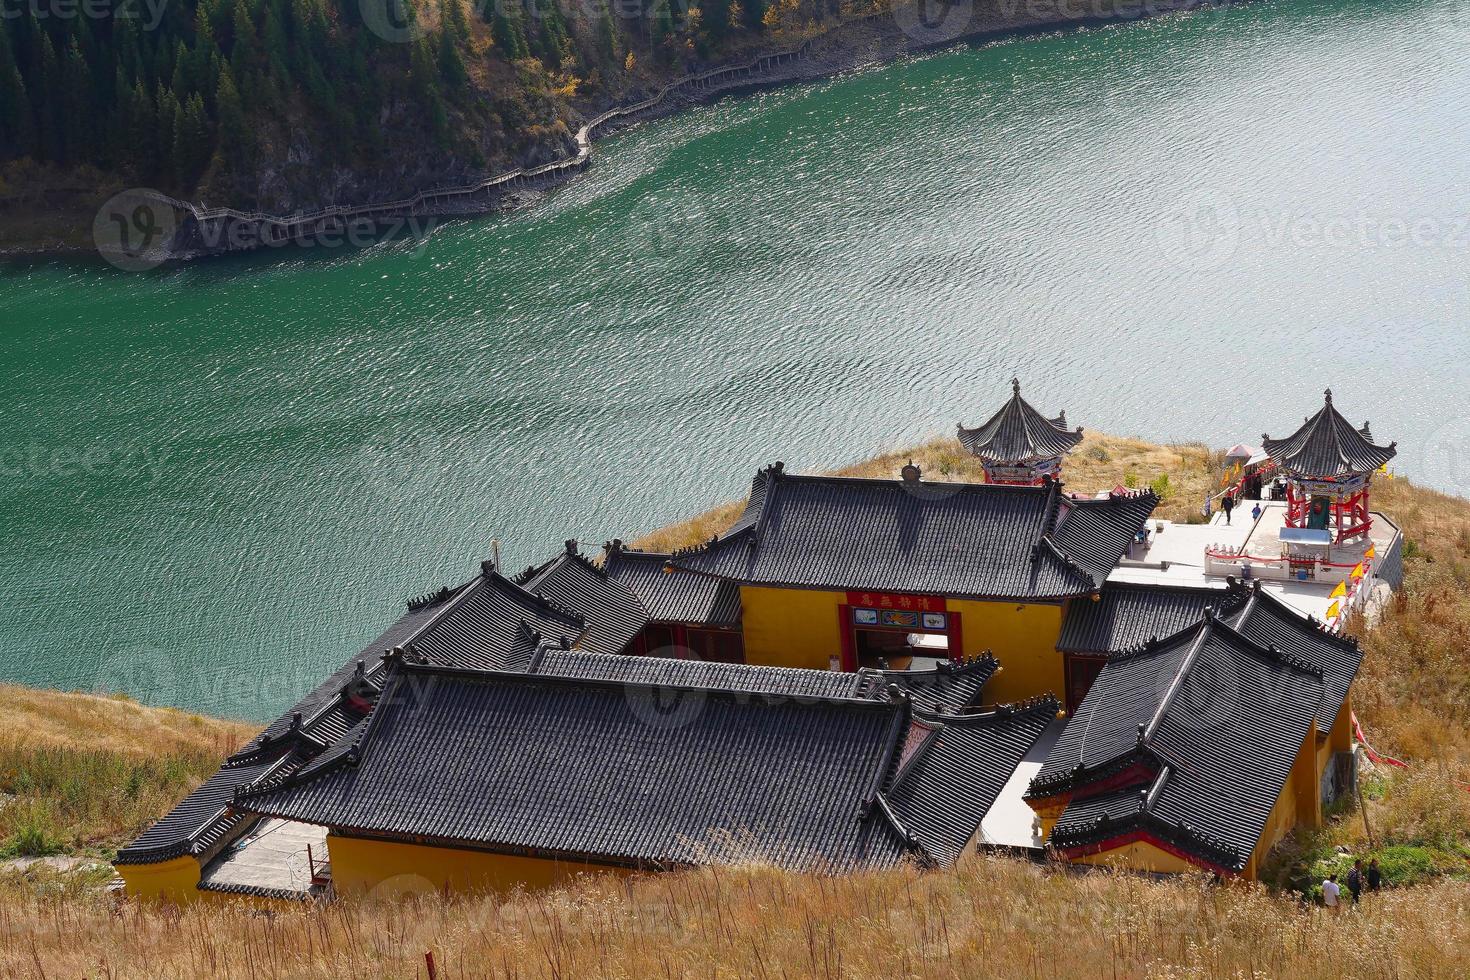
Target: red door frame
point(847, 633)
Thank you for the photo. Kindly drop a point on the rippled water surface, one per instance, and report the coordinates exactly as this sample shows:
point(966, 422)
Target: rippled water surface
point(220, 481)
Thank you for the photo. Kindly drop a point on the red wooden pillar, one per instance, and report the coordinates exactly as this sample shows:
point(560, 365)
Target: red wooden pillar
point(844, 633)
point(956, 638)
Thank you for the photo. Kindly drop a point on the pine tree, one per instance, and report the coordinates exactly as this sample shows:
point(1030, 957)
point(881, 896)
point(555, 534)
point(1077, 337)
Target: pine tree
point(166, 113)
point(755, 14)
point(234, 137)
point(142, 129)
point(451, 66)
point(607, 37)
point(663, 22)
point(75, 96)
point(50, 129)
point(192, 145)
point(716, 18)
point(17, 132)
point(509, 37)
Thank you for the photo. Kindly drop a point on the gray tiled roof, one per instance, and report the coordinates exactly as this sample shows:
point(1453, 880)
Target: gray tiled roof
point(955, 774)
point(1269, 622)
point(612, 612)
point(493, 624)
point(325, 694)
point(951, 688)
point(1212, 721)
point(944, 688)
point(1094, 534)
point(671, 597)
point(954, 539)
point(487, 622)
point(197, 824)
point(701, 774)
point(1327, 445)
point(582, 768)
point(790, 682)
point(1019, 433)
point(202, 819)
point(1127, 615)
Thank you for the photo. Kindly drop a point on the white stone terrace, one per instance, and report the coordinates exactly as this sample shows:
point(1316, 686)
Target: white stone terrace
point(1204, 554)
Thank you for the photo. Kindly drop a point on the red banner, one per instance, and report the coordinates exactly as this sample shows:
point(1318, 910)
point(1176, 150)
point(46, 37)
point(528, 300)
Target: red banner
point(890, 600)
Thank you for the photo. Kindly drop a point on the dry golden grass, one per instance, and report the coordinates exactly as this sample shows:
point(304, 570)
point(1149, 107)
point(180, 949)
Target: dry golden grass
point(989, 917)
point(86, 773)
point(84, 721)
point(1414, 688)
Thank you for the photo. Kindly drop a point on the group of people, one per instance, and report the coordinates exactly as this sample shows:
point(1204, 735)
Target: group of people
point(1358, 880)
point(1227, 504)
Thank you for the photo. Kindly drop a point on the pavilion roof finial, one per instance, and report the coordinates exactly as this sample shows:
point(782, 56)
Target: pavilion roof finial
point(1327, 395)
point(1016, 385)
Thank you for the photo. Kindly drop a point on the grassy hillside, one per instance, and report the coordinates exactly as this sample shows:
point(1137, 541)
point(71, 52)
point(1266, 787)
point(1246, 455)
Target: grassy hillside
point(989, 916)
point(80, 774)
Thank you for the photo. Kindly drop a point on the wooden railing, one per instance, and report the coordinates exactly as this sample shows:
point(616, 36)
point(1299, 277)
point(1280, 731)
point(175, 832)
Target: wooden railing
point(283, 227)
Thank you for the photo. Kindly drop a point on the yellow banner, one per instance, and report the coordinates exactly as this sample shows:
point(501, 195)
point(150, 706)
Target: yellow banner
point(1358, 572)
point(1333, 610)
point(1340, 591)
point(1370, 552)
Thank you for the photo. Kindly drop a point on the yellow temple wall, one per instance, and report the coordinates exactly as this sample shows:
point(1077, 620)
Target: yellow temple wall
point(791, 627)
point(175, 880)
point(1023, 636)
point(1140, 856)
point(390, 868)
point(1048, 812)
point(804, 628)
point(1298, 805)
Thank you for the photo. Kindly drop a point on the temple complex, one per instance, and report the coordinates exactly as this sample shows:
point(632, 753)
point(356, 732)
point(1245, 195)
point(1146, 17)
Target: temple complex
point(947, 666)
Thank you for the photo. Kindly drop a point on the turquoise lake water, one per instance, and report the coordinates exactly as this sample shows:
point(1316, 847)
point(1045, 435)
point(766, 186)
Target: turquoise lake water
point(219, 481)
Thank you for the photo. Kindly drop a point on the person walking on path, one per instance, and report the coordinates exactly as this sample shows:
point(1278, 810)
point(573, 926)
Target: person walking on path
point(1227, 504)
point(1355, 881)
point(1256, 512)
point(1330, 892)
point(1375, 875)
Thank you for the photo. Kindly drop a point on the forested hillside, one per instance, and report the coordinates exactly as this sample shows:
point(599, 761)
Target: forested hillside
point(287, 103)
